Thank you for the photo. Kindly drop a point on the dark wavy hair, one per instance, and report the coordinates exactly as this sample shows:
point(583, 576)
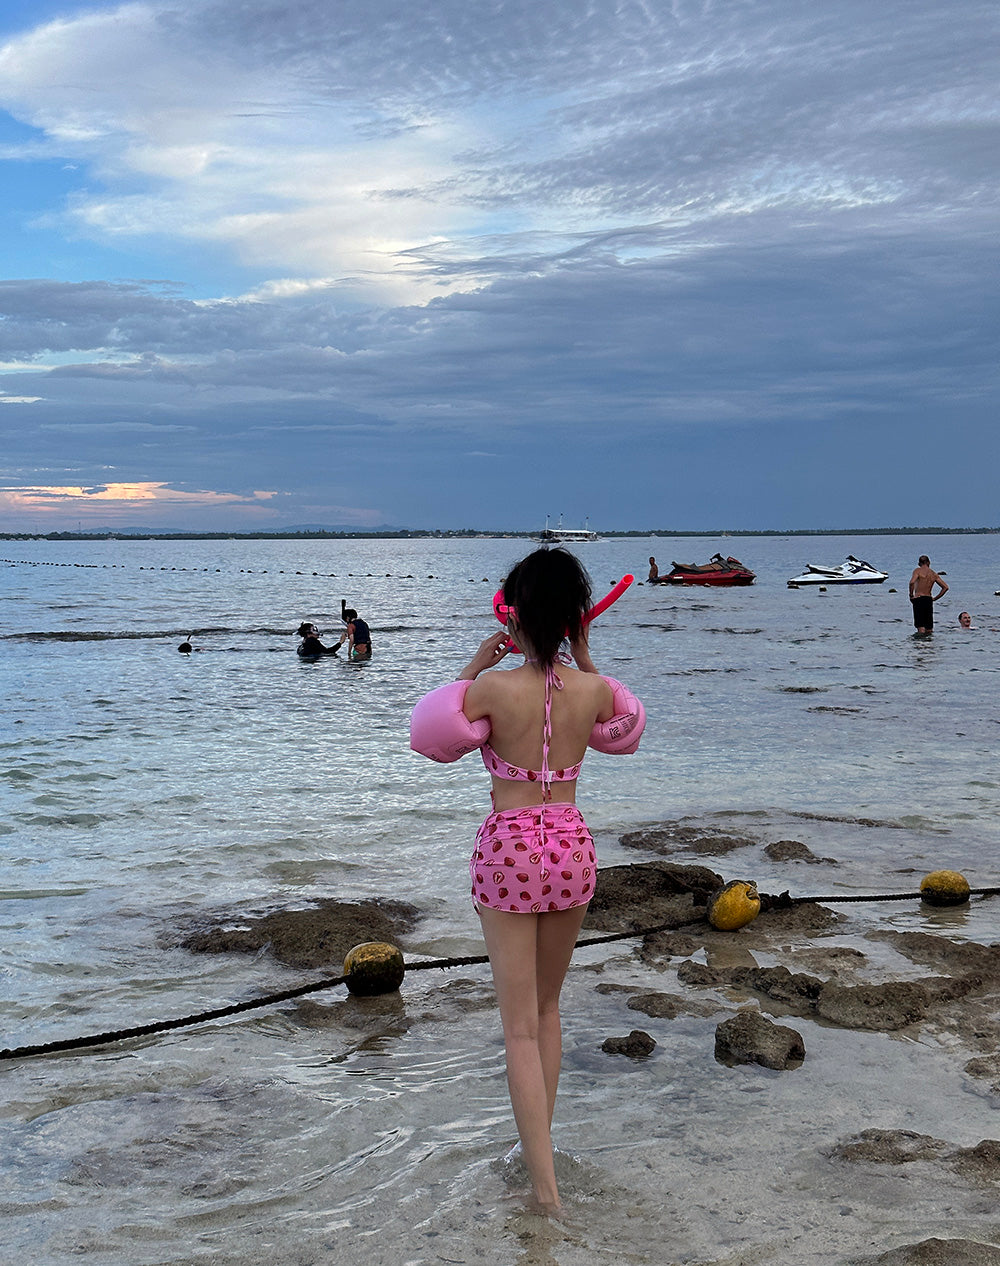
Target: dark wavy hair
point(551, 591)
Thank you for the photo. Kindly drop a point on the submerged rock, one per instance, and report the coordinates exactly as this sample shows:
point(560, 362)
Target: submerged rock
point(981, 1162)
point(381, 1017)
point(937, 1252)
point(802, 918)
point(988, 1067)
point(796, 851)
point(956, 957)
point(319, 936)
point(629, 898)
point(672, 837)
point(751, 1038)
point(881, 1007)
point(891, 1147)
point(637, 1044)
point(658, 948)
point(900, 1147)
point(776, 982)
point(660, 1006)
point(786, 986)
point(834, 960)
point(667, 1006)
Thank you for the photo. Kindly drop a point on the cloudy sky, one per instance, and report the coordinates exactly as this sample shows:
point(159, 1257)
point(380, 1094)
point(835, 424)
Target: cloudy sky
point(687, 265)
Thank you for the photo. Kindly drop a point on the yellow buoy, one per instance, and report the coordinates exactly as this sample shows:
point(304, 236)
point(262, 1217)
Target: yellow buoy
point(374, 967)
point(734, 906)
point(944, 888)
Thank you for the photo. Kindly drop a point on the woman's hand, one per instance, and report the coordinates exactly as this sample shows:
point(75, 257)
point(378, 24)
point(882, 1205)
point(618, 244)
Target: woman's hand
point(491, 651)
point(581, 652)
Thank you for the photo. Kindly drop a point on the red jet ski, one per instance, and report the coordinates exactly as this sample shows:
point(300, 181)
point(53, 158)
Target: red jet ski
point(719, 571)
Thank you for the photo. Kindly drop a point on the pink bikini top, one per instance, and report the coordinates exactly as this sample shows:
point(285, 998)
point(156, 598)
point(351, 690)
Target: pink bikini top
point(513, 773)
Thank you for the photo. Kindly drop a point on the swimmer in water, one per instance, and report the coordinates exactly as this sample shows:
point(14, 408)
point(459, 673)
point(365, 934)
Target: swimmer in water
point(357, 635)
point(922, 595)
point(311, 647)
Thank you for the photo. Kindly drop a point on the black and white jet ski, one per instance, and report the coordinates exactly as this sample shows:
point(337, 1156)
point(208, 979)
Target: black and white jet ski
point(851, 572)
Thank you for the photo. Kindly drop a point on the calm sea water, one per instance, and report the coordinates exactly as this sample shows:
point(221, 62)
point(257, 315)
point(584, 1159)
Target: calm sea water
point(143, 788)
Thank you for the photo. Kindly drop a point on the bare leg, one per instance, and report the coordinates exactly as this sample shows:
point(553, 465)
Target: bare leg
point(529, 955)
point(557, 934)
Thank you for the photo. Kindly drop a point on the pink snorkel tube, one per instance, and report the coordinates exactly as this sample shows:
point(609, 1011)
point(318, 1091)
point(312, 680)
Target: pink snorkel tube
point(501, 610)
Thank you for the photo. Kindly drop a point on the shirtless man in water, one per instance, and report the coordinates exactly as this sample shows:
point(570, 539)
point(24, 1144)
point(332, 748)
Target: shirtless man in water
point(922, 594)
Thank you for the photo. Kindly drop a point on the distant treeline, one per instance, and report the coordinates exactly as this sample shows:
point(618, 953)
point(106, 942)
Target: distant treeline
point(476, 533)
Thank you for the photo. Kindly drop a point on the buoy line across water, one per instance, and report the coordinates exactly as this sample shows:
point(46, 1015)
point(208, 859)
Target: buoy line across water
point(376, 967)
point(243, 571)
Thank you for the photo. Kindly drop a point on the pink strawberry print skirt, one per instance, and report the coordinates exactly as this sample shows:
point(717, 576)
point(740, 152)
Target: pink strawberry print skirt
point(531, 860)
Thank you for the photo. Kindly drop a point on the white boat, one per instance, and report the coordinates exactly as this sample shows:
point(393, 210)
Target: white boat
point(851, 572)
point(559, 533)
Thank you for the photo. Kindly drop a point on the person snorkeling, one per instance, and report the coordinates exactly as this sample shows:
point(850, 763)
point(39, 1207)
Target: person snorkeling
point(311, 647)
point(357, 635)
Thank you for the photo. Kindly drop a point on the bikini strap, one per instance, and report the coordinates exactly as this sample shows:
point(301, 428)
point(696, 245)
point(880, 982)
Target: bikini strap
point(552, 679)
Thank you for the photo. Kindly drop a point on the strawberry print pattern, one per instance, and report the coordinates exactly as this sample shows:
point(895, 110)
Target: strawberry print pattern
point(535, 859)
point(513, 773)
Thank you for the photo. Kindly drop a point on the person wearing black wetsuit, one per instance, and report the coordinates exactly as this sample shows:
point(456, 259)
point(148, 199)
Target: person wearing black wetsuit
point(311, 647)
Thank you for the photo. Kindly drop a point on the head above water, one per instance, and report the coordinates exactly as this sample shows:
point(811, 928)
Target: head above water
point(964, 619)
point(307, 630)
point(923, 561)
point(348, 614)
point(550, 591)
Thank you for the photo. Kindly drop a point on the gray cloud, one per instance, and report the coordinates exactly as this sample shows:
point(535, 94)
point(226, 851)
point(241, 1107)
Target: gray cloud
point(617, 232)
point(742, 331)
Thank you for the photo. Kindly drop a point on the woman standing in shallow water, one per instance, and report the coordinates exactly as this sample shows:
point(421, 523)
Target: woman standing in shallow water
point(533, 868)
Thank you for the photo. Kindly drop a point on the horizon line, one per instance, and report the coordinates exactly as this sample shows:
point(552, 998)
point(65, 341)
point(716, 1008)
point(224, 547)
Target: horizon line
point(389, 533)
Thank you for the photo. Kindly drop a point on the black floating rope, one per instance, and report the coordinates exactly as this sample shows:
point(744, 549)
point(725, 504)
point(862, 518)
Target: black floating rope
point(782, 901)
point(161, 1026)
point(594, 940)
point(253, 1004)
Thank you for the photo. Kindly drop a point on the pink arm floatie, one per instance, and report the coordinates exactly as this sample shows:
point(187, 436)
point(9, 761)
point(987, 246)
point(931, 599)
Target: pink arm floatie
point(441, 730)
point(620, 736)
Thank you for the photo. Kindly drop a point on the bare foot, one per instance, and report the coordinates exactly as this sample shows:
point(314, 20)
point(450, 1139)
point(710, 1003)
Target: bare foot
point(547, 1208)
